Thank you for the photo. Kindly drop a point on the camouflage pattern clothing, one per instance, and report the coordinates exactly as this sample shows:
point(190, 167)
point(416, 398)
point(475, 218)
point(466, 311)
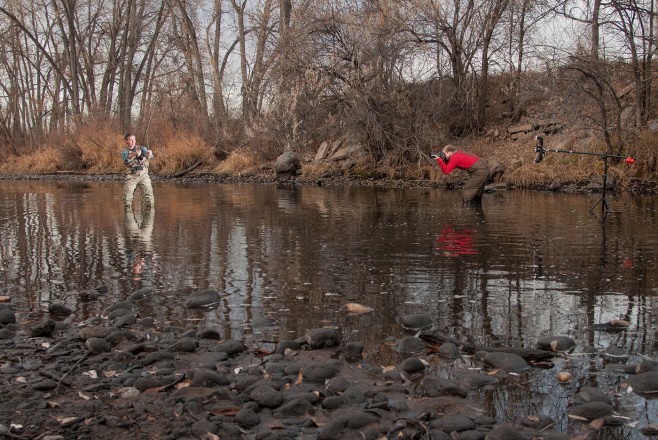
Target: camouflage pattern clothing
point(137, 175)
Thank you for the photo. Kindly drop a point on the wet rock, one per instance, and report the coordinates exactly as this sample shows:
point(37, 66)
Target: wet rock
point(537, 421)
point(504, 432)
point(88, 295)
point(6, 333)
point(128, 392)
point(287, 344)
point(185, 345)
point(643, 383)
point(7, 316)
point(453, 423)
point(229, 347)
point(416, 321)
point(410, 345)
point(591, 410)
point(591, 394)
point(44, 385)
point(263, 322)
point(295, 408)
point(412, 366)
point(146, 383)
point(345, 420)
point(352, 352)
point(120, 313)
point(209, 333)
point(506, 361)
point(434, 386)
point(141, 294)
point(98, 345)
point(59, 310)
point(201, 299)
point(205, 378)
point(337, 384)
point(157, 356)
point(44, 330)
point(321, 371)
point(123, 305)
point(127, 320)
point(322, 337)
point(266, 396)
point(448, 350)
point(562, 344)
point(119, 336)
point(247, 418)
point(478, 380)
point(646, 365)
point(616, 353)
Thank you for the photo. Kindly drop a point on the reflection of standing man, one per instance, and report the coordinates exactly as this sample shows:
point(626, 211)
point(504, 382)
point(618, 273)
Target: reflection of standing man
point(477, 169)
point(139, 232)
point(136, 158)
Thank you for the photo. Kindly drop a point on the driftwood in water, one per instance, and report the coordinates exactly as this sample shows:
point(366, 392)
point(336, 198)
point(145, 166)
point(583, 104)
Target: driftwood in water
point(529, 354)
point(187, 170)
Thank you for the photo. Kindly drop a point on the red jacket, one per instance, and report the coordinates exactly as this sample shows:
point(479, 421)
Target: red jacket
point(459, 159)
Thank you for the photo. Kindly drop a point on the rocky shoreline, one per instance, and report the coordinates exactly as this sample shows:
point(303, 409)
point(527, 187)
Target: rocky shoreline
point(635, 186)
point(124, 375)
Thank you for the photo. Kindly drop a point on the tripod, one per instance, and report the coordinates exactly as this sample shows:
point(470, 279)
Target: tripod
point(541, 151)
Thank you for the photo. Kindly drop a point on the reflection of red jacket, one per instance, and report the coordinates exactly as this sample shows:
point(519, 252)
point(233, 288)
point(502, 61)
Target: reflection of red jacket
point(456, 242)
point(459, 159)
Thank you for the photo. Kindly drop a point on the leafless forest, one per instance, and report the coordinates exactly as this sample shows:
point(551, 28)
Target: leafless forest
point(394, 75)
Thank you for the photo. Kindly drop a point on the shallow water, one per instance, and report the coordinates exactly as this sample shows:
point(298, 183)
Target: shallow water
point(525, 266)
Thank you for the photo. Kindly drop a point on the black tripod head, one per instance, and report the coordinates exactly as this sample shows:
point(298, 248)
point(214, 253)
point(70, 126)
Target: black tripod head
point(539, 149)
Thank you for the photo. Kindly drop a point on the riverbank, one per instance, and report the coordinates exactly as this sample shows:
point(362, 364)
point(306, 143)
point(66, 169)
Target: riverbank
point(126, 375)
point(633, 186)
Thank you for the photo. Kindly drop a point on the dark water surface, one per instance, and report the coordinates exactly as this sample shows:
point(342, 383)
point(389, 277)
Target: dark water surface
point(528, 265)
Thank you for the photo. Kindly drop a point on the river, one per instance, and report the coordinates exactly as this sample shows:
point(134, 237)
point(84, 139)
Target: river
point(527, 265)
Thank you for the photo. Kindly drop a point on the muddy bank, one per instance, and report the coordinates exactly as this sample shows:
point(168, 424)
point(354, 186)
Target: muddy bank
point(123, 374)
point(635, 186)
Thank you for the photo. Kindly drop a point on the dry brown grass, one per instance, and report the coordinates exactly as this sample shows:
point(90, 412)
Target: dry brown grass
point(45, 160)
point(178, 152)
point(239, 163)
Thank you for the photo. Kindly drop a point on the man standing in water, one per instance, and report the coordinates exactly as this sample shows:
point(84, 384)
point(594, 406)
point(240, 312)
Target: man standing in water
point(136, 158)
point(478, 171)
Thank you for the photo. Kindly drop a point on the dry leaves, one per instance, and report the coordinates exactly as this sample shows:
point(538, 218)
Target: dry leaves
point(356, 309)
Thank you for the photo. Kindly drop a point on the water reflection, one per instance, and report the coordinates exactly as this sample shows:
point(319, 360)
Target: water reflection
point(523, 266)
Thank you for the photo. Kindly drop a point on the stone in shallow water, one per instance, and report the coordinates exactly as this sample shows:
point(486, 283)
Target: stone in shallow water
point(410, 345)
point(448, 350)
point(591, 394)
point(322, 337)
point(59, 310)
point(506, 361)
point(201, 299)
point(141, 294)
point(438, 386)
point(616, 353)
point(7, 316)
point(453, 423)
point(266, 396)
point(477, 380)
point(646, 365)
point(643, 383)
point(556, 343)
point(591, 410)
point(44, 330)
point(411, 366)
point(504, 432)
point(320, 371)
point(247, 418)
point(416, 321)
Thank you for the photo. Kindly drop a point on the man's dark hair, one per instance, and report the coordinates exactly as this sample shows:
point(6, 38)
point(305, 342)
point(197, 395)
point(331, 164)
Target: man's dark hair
point(128, 135)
